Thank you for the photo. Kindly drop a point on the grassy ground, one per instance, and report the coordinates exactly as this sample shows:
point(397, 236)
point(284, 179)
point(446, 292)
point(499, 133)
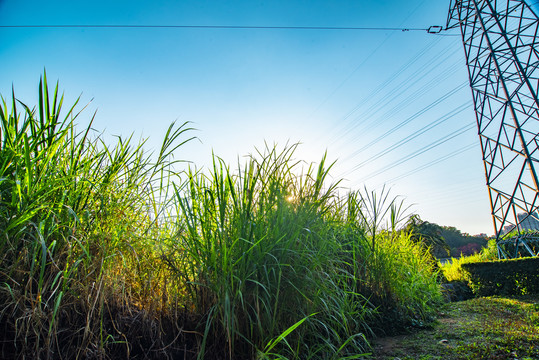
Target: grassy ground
point(481, 328)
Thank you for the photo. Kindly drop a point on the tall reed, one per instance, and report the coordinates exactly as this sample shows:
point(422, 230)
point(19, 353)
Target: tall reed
point(79, 225)
point(107, 252)
point(273, 244)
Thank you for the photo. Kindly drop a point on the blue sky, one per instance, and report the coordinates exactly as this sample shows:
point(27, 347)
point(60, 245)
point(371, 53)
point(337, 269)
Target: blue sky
point(372, 99)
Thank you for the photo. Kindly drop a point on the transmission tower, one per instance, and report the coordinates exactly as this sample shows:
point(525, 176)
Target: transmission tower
point(501, 46)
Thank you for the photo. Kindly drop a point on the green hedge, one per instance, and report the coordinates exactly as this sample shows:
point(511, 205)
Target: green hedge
point(504, 277)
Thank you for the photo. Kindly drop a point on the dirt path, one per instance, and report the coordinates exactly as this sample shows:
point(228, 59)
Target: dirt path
point(491, 328)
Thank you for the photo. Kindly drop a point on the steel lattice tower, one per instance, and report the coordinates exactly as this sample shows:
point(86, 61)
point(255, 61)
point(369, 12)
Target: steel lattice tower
point(501, 46)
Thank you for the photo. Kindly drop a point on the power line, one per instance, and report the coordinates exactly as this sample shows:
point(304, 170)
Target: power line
point(431, 29)
point(412, 136)
point(412, 97)
point(367, 120)
point(345, 121)
point(363, 62)
point(434, 162)
point(416, 153)
point(407, 121)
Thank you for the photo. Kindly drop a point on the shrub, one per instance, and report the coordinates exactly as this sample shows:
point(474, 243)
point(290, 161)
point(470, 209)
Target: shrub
point(504, 277)
point(453, 270)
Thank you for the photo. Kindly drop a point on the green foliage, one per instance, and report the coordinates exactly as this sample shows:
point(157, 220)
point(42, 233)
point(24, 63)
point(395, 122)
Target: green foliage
point(106, 252)
point(428, 234)
point(254, 252)
point(400, 277)
point(488, 276)
point(504, 277)
point(77, 226)
point(457, 241)
point(453, 270)
point(444, 240)
point(263, 248)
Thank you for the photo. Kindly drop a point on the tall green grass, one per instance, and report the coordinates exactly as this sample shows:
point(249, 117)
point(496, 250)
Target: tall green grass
point(79, 225)
point(272, 243)
point(107, 251)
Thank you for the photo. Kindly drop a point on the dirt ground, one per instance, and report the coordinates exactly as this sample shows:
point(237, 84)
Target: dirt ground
point(493, 328)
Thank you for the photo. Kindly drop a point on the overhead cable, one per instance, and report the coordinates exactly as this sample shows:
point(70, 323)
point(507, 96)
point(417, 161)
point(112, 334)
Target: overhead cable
point(380, 45)
point(414, 135)
point(434, 162)
point(430, 30)
point(367, 120)
point(408, 120)
point(349, 116)
point(420, 151)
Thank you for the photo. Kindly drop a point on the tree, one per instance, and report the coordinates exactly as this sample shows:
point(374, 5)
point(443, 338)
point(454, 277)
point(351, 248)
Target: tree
point(457, 240)
point(428, 234)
